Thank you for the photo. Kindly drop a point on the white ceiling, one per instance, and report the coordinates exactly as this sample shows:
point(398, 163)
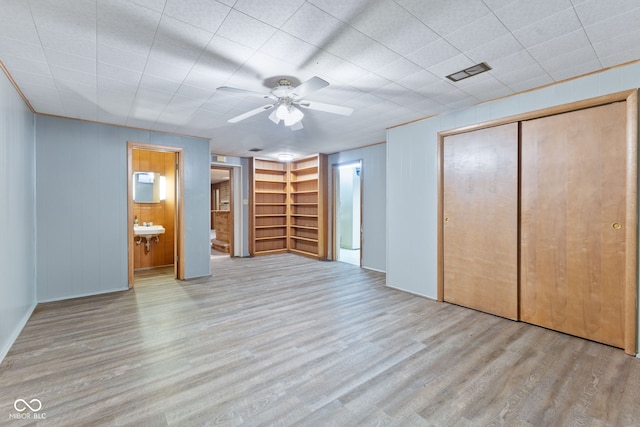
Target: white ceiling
point(156, 64)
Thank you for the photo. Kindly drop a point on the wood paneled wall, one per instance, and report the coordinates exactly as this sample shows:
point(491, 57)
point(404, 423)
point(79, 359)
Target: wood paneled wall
point(162, 213)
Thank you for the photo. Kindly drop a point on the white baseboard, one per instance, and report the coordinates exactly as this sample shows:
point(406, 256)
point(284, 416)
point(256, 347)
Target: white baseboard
point(374, 269)
point(90, 294)
point(7, 345)
point(412, 293)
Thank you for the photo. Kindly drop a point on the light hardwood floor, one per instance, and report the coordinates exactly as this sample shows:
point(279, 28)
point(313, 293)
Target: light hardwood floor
point(284, 340)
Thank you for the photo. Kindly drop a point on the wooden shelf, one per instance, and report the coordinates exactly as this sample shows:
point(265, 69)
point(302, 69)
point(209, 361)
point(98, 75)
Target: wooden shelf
point(290, 200)
point(304, 170)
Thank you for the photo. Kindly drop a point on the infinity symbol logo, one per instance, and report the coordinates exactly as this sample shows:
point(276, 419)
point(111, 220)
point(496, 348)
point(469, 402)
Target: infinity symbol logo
point(21, 405)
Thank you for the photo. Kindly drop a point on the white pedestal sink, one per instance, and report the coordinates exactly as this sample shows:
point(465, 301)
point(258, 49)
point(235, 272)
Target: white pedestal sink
point(147, 232)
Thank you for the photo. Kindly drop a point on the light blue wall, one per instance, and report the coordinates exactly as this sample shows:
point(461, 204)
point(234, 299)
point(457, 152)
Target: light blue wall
point(374, 199)
point(413, 167)
point(17, 213)
point(81, 194)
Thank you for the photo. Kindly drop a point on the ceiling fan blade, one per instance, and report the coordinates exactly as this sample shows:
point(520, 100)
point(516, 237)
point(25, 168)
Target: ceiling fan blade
point(329, 108)
point(248, 114)
point(243, 92)
point(311, 85)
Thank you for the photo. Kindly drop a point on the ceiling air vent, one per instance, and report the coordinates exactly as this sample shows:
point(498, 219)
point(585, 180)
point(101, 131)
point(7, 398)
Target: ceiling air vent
point(255, 150)
point(468, 72)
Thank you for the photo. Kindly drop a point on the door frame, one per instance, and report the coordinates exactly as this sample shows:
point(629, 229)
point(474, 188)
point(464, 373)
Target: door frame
point(631, 226)
point(335, 171)
point(178, 248)
point(230, 171)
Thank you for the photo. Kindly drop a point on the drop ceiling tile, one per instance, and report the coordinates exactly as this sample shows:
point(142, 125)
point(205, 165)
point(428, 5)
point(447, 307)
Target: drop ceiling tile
point(445, 16)
point(592, 12)
point(126, 26)
point(196, 93)
point(625, 46)
point(175, 71)
point(157, 5)
point(25, 79)
point(69, 60)
point(223, 55)
point(149, 82)
point(17, 65)
point(176, 40)
point(38, 94)
point(121, 58)
point(495, 50)
point(513, 76)
point(498, 4)
point(535, 82)
point(418, 80)
point(245, 30)
point(21, 49)
point(434, 53)
point(511, 63)
point(117, 73)
point(390, 91)
point(560, 46)
point(346, 11)
point(208, 80)
point(16, 22)
point(313, 26)
point(620, 57)
point(488, 89)
point(151, 98)
point(81, 94)
point(614, 27)
point(273, 12)
point(551, 27)
point(520, 13)
point(74, 19)
point(371, 82)
point(392, 26)
point(477, 33)
point(206, 15)
point(334, 69)
point(73, 76)
point(113, 92)
point(579, 69)
point(289, 48)
point(399, 69)
point(362, 51)
point(69, 44)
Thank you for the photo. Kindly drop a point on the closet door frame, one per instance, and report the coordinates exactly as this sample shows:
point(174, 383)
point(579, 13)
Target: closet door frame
point(631, 226)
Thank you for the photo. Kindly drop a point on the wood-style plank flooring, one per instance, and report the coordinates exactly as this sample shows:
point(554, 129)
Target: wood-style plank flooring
point(283, 340)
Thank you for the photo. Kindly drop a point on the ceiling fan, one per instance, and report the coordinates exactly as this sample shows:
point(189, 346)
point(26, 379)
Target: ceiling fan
point(285, 99)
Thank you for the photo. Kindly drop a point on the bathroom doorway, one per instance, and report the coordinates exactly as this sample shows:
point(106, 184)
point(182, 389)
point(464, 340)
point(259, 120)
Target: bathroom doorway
point(347, 216)
point(155, 209)
point(222, 213)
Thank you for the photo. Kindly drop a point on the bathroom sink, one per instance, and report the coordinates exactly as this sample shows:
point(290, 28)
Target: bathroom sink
point(148, 231)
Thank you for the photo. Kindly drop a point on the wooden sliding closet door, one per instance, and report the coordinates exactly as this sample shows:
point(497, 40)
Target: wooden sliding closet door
point(572, 222)
point(480, 214)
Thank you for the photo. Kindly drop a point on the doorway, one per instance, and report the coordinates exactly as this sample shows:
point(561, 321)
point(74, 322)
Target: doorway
point(155, 209)
point(347, 179)
point(222, 212)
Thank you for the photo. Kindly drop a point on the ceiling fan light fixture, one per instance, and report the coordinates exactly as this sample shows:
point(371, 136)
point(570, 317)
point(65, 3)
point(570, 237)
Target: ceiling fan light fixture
point(293, 116)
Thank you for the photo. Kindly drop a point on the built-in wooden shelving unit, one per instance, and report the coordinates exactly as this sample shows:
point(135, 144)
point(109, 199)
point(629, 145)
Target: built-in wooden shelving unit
point(289, 207)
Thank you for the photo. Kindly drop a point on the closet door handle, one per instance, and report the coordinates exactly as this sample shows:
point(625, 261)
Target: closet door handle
point(616, 226)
